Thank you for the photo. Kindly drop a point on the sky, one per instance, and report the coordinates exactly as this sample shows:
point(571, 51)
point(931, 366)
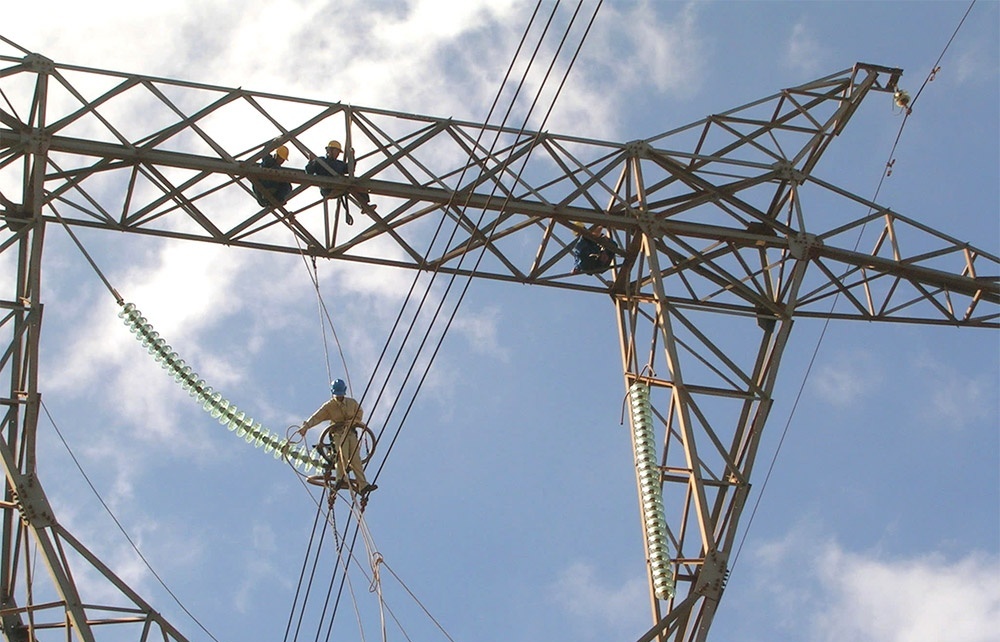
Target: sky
point(507, 508)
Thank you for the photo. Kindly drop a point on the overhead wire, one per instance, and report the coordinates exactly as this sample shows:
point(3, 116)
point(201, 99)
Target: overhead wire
point(481, 254)
point(416, 279)
point(114, 518)
point(302, 573)
point(322, 305)
point(323, 311)
point(447, 206)
point(886, 172)
point(485, 246)
point(346, 580)
point(331, 521)
point(417, 276)
point(453, 276)
point(423, 342)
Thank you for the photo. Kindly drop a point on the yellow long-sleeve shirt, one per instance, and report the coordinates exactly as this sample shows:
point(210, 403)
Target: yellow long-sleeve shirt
point(337, 410)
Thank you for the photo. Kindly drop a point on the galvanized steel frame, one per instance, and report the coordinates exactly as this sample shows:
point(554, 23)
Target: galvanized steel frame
point(710, 222)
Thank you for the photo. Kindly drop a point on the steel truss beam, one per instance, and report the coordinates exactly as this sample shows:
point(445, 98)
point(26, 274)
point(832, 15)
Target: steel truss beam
point(715, 224)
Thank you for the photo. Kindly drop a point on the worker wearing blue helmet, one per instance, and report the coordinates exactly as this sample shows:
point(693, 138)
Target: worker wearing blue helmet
point(345, 416)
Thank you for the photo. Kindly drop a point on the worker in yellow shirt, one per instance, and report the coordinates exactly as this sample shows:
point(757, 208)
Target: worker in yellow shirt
point(344, 415)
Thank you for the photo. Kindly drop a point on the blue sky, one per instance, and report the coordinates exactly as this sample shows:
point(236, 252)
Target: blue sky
point(508, 504)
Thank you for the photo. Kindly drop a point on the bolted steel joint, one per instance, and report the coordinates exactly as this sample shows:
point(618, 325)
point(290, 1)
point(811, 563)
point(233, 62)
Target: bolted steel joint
point(39, 63)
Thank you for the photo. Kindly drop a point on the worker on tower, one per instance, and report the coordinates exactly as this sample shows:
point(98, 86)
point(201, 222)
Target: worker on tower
point(268, 192)
point(344, 415)
point(592, 256)
point(331, 165)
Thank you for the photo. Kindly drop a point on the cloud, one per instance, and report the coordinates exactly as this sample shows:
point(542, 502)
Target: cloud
point(664, 55)
point(926, 598)
point(258, 570)
point(480, 330)
point(954, 399)
point(975, 60)
point(158, 541)
point(596, 605)
point(815, 589)
point(804, 52)
point(847, 377)
point(656, 54)
point(173, 293)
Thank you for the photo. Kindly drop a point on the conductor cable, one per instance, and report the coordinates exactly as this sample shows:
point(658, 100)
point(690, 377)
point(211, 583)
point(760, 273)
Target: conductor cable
point(118, 523)
point(485, 246)
point(836, 298)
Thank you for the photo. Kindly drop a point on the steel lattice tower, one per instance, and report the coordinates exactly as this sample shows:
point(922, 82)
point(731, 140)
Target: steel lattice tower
point(714, 219)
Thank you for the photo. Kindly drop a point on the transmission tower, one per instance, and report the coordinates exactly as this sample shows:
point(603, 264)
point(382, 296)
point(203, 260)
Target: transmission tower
point(718, 248)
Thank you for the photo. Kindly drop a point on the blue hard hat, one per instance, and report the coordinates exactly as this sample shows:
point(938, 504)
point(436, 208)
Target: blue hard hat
point(338, 387)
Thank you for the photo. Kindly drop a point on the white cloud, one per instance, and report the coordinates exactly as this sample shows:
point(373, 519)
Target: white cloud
point(847, 377)
point(258, 570)
point(975, 60)
point(480, 329)
point(815, 589)
point(185, 289)
point(955, 399)
point(158, 541)
point(663, 55)
point(927, 598)
point(804, 52)
point(592, 601)
point(655, 54)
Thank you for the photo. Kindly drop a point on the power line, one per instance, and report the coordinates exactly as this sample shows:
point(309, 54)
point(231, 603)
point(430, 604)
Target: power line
point(452, 279)
point(462, 257)
point(908, 109)
point(417, 313)
point(118, 523)
point(485, 245)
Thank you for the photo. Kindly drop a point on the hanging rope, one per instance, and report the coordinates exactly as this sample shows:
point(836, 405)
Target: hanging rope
point(399, 317)
point(324, 312)
point(376, 559)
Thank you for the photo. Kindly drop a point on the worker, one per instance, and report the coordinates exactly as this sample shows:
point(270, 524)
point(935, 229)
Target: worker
point(270, 192)
point(331, 165)
point(344, 415)
point(592, 256)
